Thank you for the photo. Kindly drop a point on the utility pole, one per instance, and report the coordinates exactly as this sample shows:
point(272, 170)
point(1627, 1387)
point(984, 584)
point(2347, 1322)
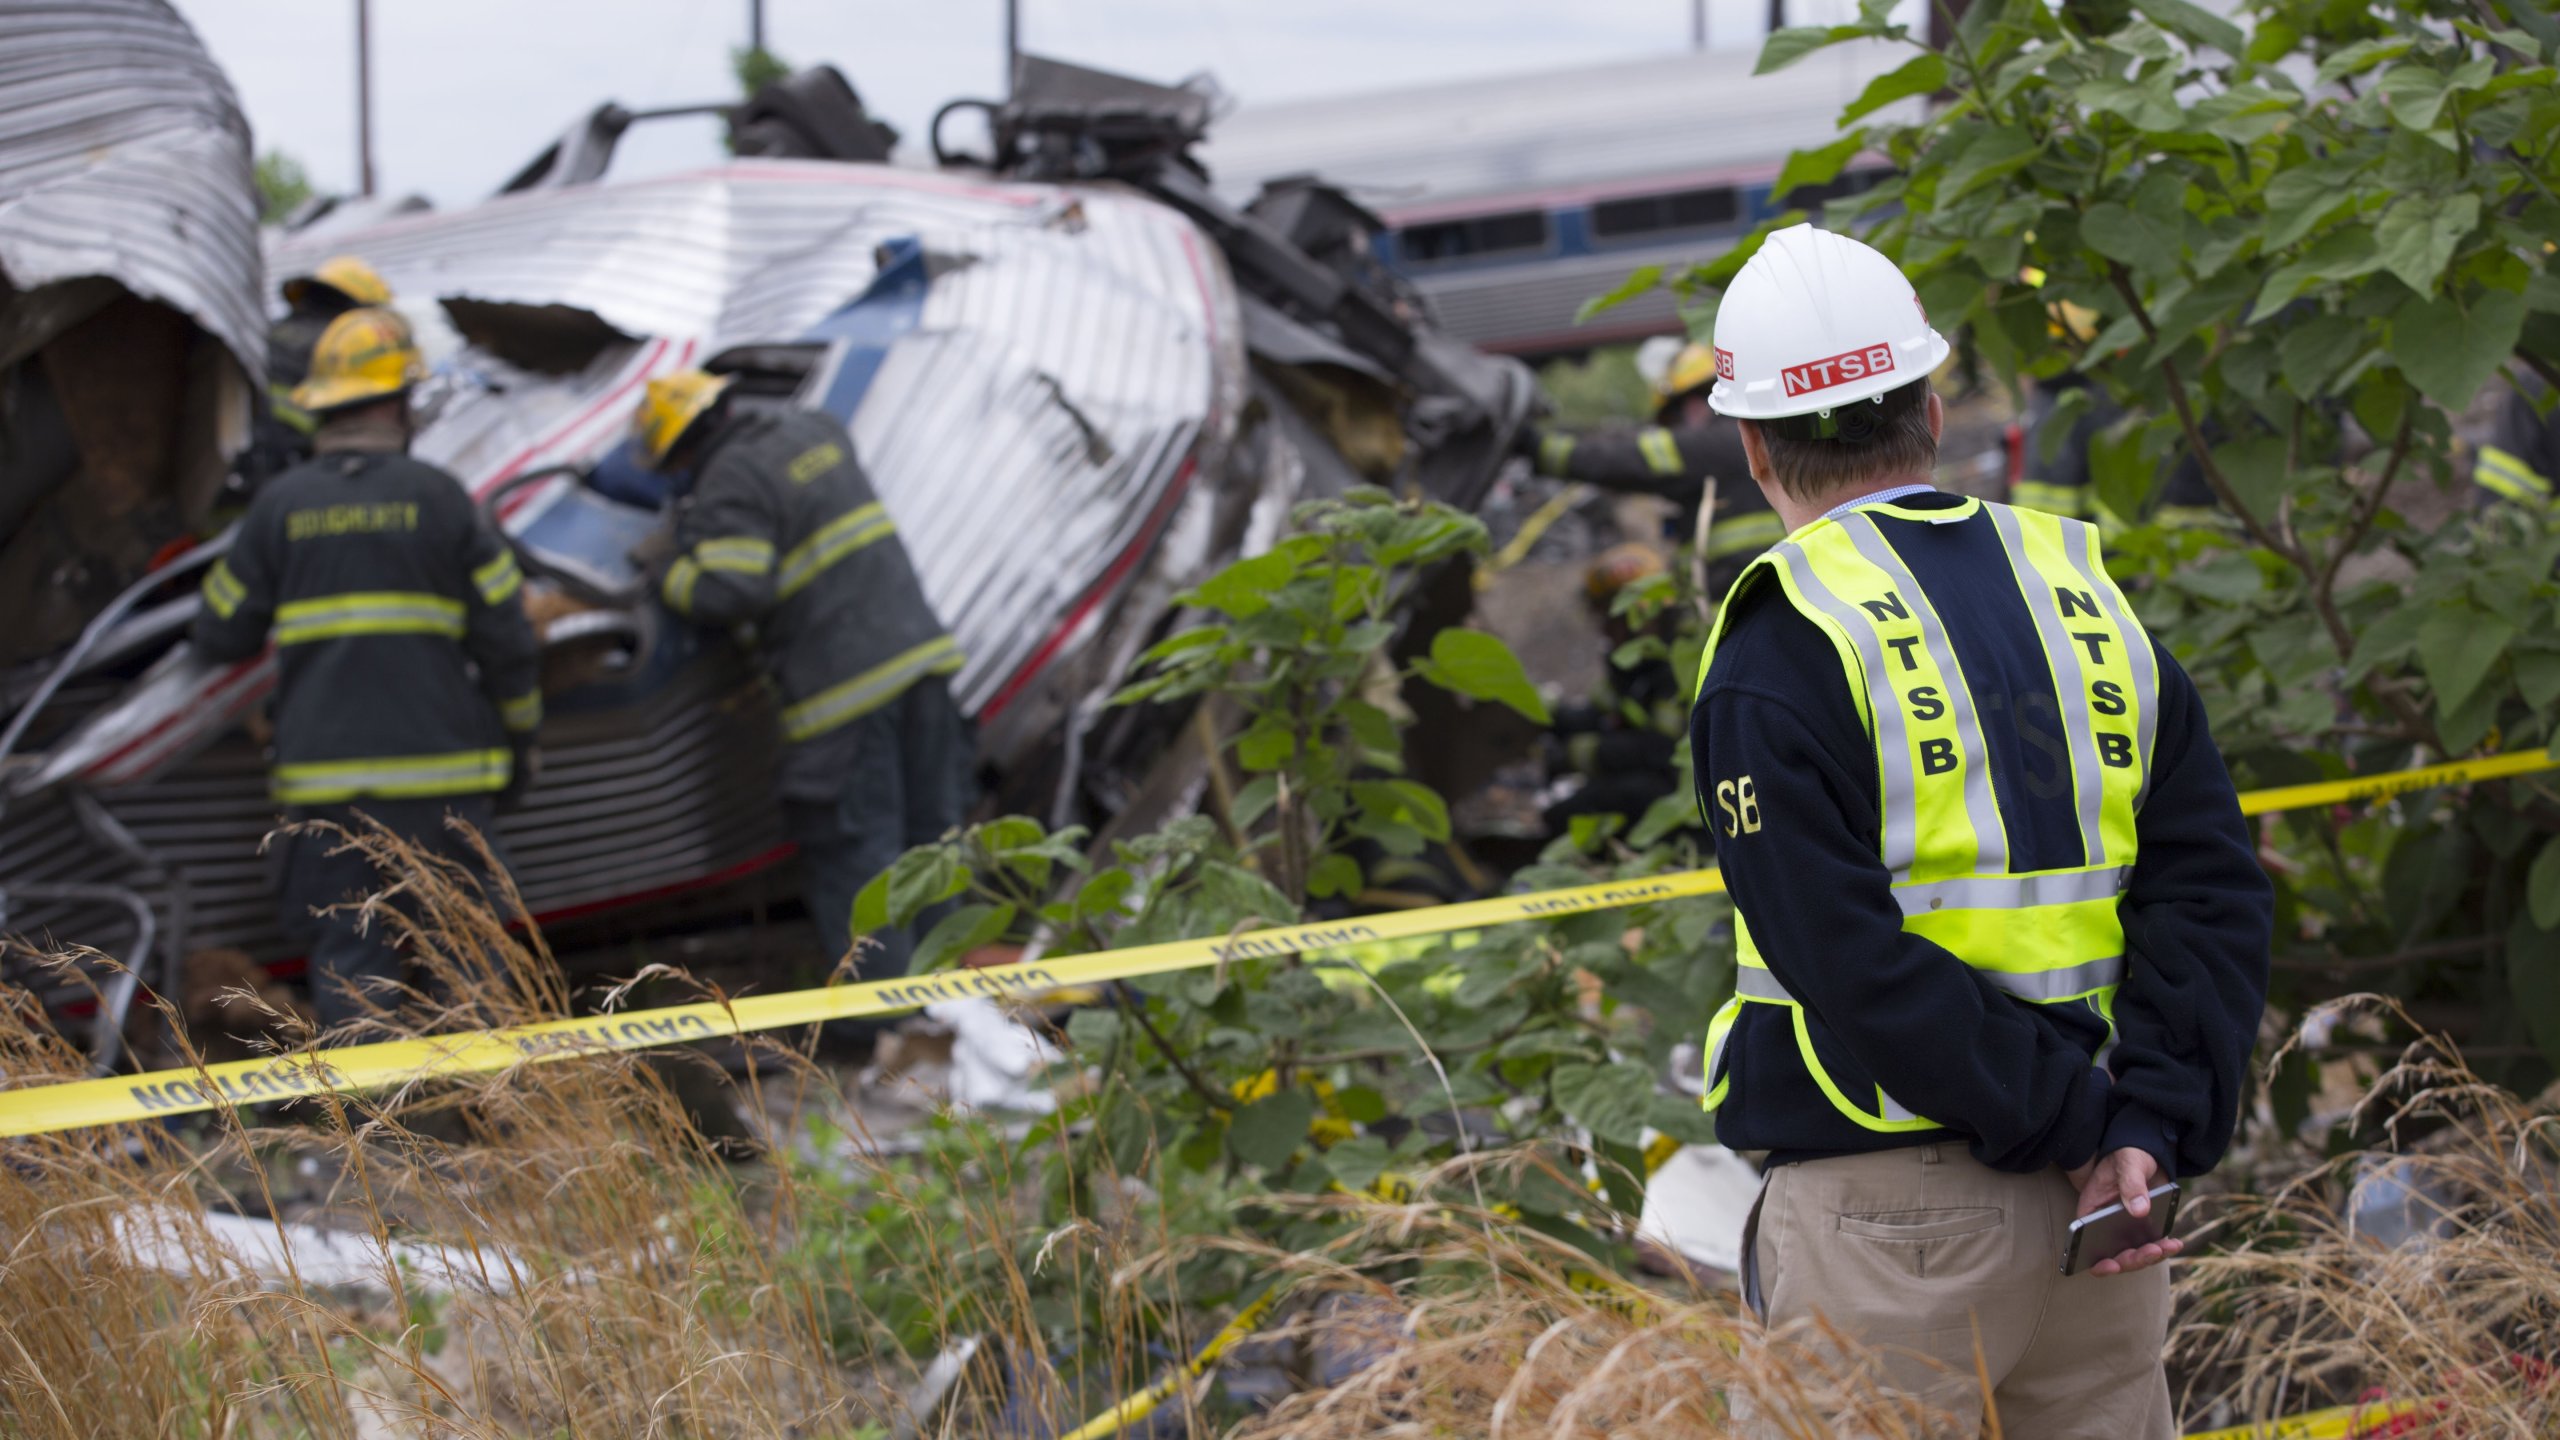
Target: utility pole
point(1697, 24)
point(755, 26)
point(1012, 42)
point(364, 98)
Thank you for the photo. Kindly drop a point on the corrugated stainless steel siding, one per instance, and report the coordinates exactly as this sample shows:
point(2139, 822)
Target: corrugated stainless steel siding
point(1076, 347)
point(123, 153)
point(632, 799)
point(1548, 130)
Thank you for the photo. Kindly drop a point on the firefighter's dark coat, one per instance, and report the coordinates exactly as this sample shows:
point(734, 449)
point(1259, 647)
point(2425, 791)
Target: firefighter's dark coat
point(406, 666)
point(783, 529)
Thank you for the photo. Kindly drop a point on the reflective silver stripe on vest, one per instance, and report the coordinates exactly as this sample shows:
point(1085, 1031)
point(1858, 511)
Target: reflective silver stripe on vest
point(1901, 842)
point(2012, 892)
point(2146, 670)
point(1753, 983)
point(2041, 987)
point(2071, 688)
point(1892, 1109)
point(1991, 837)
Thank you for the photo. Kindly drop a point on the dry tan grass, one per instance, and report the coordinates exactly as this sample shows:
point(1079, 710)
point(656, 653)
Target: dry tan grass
point(617, 1276)
point(2291, 1308)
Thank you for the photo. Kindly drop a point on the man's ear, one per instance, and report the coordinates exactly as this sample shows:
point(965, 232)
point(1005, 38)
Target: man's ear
point(1756, 450)
point(1937, 416)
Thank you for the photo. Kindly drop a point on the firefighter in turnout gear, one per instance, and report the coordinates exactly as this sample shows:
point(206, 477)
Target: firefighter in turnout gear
point(1673, 457)
point(407, 686)
point(778, 525)
point(2000, 928)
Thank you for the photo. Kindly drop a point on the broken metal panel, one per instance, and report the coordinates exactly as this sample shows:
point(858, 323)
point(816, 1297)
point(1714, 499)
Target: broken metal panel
point(123, 154)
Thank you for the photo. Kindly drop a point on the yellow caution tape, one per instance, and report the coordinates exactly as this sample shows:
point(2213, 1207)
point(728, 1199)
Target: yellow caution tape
point(1138, 1407)
point(388, 1063)
point(2343, 1423)
point(2396, 782)
point(77, 1104)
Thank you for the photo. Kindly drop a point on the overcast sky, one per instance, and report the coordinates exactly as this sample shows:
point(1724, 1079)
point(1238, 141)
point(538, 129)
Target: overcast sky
point(468, 90)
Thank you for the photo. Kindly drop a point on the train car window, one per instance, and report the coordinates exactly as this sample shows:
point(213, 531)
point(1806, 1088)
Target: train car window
point(1675, 210)
point(1814, 197)
point(1475, 235)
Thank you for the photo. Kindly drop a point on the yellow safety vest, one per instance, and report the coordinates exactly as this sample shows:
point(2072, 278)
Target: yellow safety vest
point(2047, 937)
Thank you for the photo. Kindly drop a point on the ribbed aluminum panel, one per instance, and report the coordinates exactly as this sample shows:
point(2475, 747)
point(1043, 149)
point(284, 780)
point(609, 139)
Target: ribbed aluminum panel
point(1078, 348)
point(1553, 130)
point(634, 798)
point(123, 154)
point(1533, 307)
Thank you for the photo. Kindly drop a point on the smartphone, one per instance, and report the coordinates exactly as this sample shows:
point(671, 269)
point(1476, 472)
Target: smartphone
point(2106, 1234)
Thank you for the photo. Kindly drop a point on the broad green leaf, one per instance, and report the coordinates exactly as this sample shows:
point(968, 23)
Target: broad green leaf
point(2543, 884)
point(2362, 56)
point(2457, 646)
point(1923, 74)
point(1197, 638)
point(1267, 746)
point(960, 932)
point(1641, 280)
point(2273, 40)
point(2257, 472)
point(1406, 802)
point(1358, 1161)
point(2298, 199)
point(1991, 156)
point(1334, 875)
point(916, 881)
point(2148, 236)
point(1611, 1101)
point(2449, 354)
point(1245, 587)
point(2194, 23)
point(1817, 167)
point(2418, 235)
point(2144, 104)
point(1268, 1131)
point(1478, 665)
point(1683, 1120)
point(2418, 92)
point(2537, 676)
point(2314, 351)
point(1786, 47)
point(2342, 254)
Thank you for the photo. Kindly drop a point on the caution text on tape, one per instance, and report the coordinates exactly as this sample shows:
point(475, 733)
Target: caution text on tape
point(73, 1105)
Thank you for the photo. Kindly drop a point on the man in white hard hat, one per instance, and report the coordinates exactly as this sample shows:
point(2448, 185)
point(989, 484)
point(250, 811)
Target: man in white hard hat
point(2001, 933)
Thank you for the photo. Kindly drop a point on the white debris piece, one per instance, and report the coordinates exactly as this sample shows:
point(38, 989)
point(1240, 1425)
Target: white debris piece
point(996, 1061)
point(1696, 1204)
point(274, 1254)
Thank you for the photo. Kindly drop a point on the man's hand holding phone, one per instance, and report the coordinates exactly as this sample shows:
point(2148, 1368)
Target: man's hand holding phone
point(2124, 1177)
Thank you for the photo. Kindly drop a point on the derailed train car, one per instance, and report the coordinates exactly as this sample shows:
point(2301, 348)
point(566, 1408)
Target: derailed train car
point(1080, 382)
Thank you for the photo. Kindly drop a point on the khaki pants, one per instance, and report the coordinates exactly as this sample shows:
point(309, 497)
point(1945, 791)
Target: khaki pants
point(1919, 1251)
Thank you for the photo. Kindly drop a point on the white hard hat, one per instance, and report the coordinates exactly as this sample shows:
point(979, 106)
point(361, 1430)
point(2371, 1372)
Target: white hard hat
point(1654, 357)
point(1813, 322)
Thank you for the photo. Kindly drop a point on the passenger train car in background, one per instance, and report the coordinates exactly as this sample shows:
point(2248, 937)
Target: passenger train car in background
point(1512, 201)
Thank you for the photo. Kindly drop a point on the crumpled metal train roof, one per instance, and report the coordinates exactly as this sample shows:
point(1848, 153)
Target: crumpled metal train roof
point(123, 154)
point(1032, 432)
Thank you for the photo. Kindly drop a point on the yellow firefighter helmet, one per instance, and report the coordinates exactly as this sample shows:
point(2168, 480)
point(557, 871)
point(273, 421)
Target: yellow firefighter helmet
point(669, 408)
point(1694, 366)
point(344, 274)
point(365, 354)
point(1618, 567)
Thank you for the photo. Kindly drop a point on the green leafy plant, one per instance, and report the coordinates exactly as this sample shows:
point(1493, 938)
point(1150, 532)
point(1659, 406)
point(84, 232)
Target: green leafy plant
point(2288, 249)
point(1357, 1068)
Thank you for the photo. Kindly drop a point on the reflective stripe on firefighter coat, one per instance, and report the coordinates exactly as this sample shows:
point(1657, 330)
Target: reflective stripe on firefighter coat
point(783, 529)
point(405, 665)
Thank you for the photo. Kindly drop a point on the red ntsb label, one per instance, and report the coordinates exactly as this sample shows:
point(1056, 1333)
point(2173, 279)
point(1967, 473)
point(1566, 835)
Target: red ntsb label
point(1837, 369)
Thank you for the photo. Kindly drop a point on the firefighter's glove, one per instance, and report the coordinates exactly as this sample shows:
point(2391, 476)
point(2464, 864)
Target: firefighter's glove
point(523, 768)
